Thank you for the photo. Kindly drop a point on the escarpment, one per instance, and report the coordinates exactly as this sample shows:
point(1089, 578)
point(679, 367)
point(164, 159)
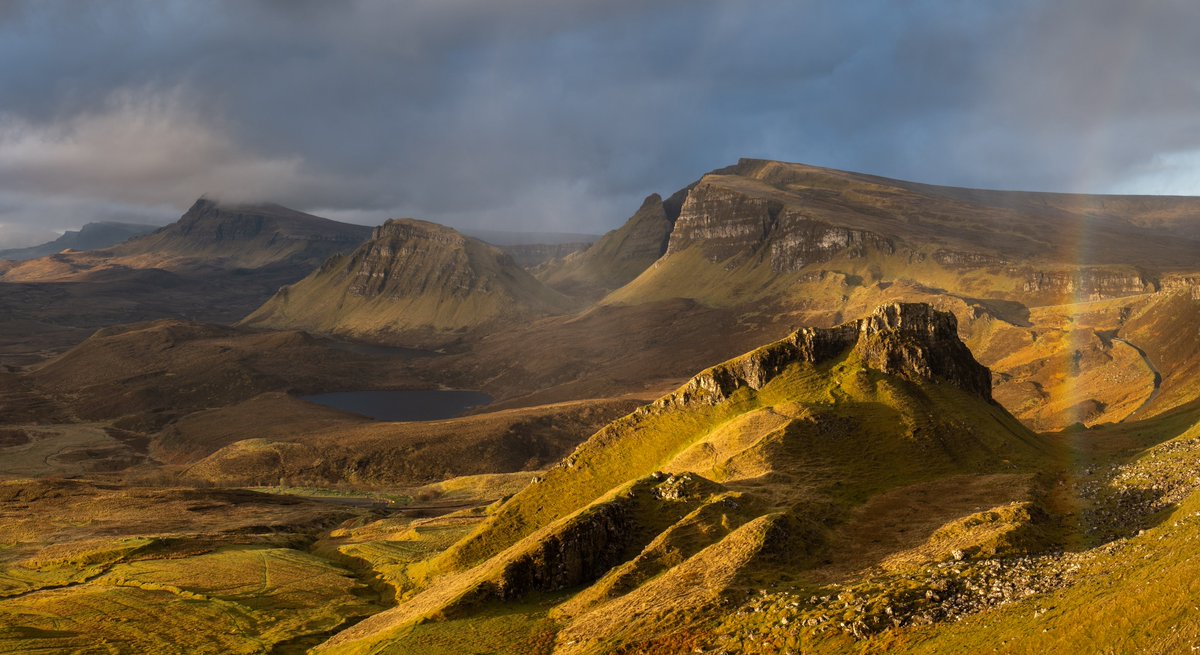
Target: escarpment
point(909, 340)
point(1090, 284)
point(725, 223)
point(405, 258)
point(756, 231)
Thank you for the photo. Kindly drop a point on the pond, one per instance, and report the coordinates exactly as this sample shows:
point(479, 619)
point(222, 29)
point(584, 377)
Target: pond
point(403, 405)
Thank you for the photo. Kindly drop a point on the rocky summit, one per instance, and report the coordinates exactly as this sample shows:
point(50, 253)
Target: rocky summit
point(909, 340)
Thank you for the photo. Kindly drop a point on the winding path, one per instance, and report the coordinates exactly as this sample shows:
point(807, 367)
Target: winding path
point(1149, 365)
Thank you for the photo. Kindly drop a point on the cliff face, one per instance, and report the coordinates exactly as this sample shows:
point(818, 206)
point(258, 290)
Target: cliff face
point(916, 341)
point(405, 258)
point(725, 223)
point(738, 225)
point(410, 277)
point(1089, 284)
point(908, 340)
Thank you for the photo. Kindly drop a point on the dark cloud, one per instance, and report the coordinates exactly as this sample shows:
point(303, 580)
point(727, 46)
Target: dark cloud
point(540, 113)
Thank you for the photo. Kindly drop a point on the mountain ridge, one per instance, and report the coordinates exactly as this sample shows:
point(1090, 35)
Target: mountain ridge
point(91, 236)
point(209, 235)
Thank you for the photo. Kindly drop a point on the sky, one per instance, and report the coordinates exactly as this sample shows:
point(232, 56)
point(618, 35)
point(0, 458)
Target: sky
point(553, 115)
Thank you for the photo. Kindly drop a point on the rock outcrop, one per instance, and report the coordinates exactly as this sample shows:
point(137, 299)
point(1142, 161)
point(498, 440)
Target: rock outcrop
point(908, 340)
point(725, 223)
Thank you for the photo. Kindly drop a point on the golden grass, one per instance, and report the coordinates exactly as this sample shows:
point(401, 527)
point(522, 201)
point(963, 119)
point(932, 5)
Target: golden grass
point(236, 600)
point(670, 602)
point(1137, 597)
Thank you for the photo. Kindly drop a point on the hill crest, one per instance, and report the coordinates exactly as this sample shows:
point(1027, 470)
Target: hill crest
point(412, 280)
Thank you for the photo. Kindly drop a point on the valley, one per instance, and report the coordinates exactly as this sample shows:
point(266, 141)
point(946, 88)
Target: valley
point(784, 409)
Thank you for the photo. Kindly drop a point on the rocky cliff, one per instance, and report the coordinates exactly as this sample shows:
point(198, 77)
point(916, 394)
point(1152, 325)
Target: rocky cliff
point(908, 340)
point(725, 222)
point(1088, 283)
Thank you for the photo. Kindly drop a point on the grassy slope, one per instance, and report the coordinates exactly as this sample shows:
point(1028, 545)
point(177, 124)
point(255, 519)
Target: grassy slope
point(1129, 502)
point(408, 302)
point(1135, 595)
point(872, 433)
point(1140, 597)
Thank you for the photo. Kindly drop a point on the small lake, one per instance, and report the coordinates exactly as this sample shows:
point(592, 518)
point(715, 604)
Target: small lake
point(406, 405)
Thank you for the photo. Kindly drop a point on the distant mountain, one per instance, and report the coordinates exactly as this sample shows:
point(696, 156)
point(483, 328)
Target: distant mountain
point(758, 228)
point(621, 255)
point(210, 236)
point(531, 250)
point(245, 236)
point(91, 236)
point(413, 281)
point(506, 238)
point(217, 263)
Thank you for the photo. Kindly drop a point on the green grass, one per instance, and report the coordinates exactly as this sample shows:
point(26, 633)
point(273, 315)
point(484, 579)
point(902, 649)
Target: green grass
point(509, 629)
point(235, 600)
point(67, 564)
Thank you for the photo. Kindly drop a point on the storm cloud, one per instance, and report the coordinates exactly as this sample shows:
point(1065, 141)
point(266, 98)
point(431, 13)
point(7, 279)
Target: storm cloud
point(542, 114)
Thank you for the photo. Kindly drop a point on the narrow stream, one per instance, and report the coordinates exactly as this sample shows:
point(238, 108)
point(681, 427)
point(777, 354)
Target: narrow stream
point(1149, 365)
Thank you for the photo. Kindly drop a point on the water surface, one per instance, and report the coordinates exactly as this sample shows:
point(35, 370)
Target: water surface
point(404, 405)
